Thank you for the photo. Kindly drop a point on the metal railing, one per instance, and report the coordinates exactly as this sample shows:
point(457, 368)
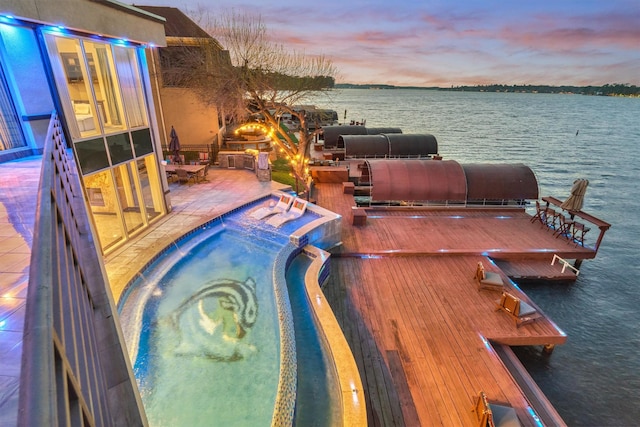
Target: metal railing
point(74, 366)
point(564, 263)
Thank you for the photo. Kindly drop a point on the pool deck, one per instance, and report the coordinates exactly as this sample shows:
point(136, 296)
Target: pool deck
point(402, 288)
point(192, 205)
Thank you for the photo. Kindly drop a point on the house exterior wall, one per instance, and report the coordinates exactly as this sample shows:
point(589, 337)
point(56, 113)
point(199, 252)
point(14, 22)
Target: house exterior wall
point(195, 122)
point(105, 17)
point(58, 55)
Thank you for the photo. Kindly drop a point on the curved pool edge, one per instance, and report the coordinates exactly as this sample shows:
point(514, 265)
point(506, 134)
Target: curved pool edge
point(354, 411)
point(284, 408)
point(324, 232)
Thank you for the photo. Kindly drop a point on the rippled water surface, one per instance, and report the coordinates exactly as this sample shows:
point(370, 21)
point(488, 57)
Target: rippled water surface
point(594, 379)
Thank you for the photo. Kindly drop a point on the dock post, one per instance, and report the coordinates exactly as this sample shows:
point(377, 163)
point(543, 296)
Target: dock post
point(548, 349)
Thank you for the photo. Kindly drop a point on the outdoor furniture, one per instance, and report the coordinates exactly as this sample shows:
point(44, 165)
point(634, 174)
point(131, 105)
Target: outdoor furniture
point(296, 211)
point(488, 279)
point(193, 170)
point(564, 227)
point(185, 176)
point(203, 157)
point(521, 312)
point(493, 414)
point(359, 216)
point(552, 218)
point(282, 205)
point(540, 215)
point(348, 187)
point(579, 230)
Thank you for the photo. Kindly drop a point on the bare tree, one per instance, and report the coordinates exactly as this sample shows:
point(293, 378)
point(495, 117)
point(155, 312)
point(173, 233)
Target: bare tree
point(254, 75)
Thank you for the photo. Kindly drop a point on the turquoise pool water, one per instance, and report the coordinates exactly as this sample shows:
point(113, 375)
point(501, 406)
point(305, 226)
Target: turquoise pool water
point(201, 325)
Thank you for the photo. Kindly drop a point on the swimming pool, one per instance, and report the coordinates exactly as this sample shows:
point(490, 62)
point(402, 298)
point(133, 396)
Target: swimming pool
point(203, 326)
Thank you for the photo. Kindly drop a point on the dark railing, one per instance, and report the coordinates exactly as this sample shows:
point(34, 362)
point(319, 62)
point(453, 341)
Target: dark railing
point(590, 219)
point(74, 367)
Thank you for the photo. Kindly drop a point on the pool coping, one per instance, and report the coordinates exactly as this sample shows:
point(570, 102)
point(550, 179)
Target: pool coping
point(354, 411)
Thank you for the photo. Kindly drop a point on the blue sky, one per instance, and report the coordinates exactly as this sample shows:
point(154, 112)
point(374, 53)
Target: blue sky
point(444, 43)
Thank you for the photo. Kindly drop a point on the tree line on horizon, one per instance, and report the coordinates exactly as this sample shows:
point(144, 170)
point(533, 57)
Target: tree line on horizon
point(616, 89)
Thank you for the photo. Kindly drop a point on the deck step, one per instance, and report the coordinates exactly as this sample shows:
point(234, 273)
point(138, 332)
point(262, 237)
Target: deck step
point(534, 269)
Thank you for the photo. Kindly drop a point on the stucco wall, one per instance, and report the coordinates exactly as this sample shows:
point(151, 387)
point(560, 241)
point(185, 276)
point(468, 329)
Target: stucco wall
point(195, 122)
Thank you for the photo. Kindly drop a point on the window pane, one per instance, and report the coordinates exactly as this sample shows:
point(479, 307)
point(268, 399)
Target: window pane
point(150, 187)
point(104, 207)
point(129, 196)
point(105, 86)
point(131, 86)
point(73, 79)
point(142, 142)
point(92, 155)
point(119, 148)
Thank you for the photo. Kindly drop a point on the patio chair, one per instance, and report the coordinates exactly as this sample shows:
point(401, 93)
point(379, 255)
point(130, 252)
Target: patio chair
point(203, 157)
point(564, 227)
point(552, 218)
point(282, 205)
point(494, 414)
point(297, 210)
point(540, 215)
point(184, 176)
point(521, 312)
point(488, 279)
point(579, 230)
point(205, 171)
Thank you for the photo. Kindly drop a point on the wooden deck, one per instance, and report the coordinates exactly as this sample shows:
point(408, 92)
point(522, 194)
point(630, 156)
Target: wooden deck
point(403, 290)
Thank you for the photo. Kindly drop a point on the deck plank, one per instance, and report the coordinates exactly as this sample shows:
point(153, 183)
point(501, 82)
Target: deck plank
point(404, 293)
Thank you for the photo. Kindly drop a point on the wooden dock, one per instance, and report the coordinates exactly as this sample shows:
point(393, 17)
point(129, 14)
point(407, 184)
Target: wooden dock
point(402, 287)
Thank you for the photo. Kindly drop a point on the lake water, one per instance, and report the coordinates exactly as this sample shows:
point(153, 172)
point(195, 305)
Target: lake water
point(593, 379)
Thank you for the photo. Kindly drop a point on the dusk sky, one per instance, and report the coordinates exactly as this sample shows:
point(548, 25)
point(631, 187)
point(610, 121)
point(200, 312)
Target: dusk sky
point(454, 42)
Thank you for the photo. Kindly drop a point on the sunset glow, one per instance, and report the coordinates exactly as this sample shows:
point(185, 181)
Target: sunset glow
point(444, 43)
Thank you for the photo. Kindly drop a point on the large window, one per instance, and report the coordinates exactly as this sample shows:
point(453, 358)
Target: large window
point(101, 92)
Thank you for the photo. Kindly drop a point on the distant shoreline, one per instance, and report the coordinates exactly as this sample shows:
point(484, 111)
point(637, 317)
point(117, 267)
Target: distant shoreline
point(624, 90)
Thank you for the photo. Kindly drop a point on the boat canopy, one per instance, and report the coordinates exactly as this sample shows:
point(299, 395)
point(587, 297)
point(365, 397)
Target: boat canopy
point(447, 181)
point(417, 180)
point(331, 134)
point(409, 145)
point(395, 145)
point(500, 182)
point(362, 146)
point(377, 131)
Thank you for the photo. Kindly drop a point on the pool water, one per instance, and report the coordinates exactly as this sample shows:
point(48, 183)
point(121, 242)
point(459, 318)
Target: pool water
point(201, 326)
point(317, 378)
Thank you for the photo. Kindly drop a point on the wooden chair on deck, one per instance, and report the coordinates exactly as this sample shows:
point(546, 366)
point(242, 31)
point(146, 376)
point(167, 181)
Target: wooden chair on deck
point(564, 227)
point(493, 414)
point(579, 230)
point(488, 279)
point(521, 312)
point(552, 218)
point(540, 215)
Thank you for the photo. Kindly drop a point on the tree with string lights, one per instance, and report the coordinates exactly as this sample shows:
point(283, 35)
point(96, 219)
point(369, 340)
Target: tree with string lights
point(251, 76)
